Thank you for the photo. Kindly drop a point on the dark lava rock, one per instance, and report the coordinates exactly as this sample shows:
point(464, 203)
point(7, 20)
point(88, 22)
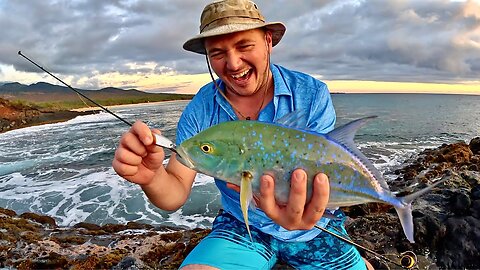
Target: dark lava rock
point(460, 203)
point(461, 244)
point(475, 145)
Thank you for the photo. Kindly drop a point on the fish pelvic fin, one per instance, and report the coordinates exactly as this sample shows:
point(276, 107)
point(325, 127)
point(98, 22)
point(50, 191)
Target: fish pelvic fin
point(246, 196)
point(405, 212)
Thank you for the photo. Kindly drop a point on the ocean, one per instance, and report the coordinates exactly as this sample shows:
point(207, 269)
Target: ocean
point(64, 170)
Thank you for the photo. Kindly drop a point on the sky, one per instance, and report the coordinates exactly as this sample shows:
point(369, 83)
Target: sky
point(354, 46)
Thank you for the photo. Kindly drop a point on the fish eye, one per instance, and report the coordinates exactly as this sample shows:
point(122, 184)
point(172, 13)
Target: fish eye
point(206, 148)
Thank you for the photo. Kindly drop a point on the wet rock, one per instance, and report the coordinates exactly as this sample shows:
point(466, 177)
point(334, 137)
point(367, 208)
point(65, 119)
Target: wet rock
point(475, 145)
point(45, 220)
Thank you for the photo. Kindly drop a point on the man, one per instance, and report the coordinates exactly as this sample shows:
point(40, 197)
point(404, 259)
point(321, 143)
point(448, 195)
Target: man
point(237, 43)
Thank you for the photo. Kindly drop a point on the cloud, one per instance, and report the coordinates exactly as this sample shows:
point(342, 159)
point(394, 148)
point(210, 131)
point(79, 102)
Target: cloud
point(396, 40)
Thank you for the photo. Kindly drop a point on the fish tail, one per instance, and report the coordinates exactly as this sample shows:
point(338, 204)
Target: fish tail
point(406, 220)
point(405, 212)
point(246, 196)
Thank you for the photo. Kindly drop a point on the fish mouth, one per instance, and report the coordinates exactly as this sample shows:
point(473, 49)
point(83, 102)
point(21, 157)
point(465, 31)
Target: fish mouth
point(183, 158)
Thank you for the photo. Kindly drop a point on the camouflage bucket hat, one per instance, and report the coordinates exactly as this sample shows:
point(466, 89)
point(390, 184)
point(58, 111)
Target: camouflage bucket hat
point(230, 16)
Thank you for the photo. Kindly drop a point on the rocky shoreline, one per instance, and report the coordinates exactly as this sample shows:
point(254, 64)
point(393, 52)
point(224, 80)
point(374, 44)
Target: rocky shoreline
point(447, 220)
point(14, 116)
point(447, 227)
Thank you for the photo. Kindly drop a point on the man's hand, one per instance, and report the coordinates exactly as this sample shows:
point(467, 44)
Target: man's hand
point(137, 158)
point(296, 215)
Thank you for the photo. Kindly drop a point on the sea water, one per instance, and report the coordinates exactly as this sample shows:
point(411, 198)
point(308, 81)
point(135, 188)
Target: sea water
point(64, 170)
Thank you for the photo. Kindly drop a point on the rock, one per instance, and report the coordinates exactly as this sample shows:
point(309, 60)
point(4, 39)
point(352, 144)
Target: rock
point(45, 220)
point(17, 115)
point(461, 244)
point(460, 203)
point(475, 145)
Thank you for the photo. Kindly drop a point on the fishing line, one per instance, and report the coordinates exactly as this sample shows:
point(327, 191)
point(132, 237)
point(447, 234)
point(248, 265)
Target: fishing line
point(158, 139)
point(407, 260)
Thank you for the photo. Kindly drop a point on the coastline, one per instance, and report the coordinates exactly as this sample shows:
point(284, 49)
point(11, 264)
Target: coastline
point(88, 109)
point(39, 118)
point(15, 117)
point(447, 226)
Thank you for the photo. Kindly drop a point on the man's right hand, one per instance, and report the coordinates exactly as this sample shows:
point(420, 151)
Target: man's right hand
point(137, 158)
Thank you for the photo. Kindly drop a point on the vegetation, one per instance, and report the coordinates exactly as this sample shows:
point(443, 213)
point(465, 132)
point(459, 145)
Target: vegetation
point(50, 97)
point(82, 103)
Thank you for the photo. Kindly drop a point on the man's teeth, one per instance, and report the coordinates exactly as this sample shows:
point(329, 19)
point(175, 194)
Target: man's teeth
point(236, 76)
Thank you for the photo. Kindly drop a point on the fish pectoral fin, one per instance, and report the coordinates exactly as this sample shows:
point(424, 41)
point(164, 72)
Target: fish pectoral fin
point(246, 196)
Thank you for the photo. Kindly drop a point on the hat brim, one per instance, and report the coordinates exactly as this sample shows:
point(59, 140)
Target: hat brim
point(196, 45)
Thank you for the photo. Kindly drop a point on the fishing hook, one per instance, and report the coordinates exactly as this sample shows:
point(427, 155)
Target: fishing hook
point(159, 140)
point(407, 259)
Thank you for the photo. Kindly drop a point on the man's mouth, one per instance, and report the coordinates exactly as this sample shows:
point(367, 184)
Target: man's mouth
point(244, 75)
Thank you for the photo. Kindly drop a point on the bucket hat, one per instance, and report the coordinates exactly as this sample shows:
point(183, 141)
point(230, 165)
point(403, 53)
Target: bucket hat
point(230, 16)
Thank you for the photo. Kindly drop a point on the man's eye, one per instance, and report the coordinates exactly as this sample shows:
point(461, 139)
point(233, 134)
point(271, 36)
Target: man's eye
point(246, 47)
point(216, 55)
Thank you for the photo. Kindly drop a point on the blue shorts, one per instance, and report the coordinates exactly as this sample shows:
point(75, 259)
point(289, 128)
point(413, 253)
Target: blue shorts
point(228, 246)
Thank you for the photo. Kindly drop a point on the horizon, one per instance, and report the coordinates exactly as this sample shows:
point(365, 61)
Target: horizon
point(365, 91)
point(354, 46)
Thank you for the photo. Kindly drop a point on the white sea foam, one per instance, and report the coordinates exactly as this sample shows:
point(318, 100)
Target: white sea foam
point(202, 180)
point(189, 221)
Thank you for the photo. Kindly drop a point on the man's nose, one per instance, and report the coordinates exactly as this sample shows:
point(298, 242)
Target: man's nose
point(234, 60)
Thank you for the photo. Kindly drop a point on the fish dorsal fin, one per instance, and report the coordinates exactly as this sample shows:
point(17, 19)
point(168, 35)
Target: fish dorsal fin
point(295, 119)
point(344, 135)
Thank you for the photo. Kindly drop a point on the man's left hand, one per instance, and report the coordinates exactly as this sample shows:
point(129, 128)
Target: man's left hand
point(296, 215)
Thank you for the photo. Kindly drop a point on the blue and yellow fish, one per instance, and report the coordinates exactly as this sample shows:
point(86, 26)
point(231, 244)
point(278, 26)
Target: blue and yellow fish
point(240, 152)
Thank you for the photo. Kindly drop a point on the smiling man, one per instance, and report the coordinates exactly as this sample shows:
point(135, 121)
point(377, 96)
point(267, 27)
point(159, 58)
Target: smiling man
point(237, 43)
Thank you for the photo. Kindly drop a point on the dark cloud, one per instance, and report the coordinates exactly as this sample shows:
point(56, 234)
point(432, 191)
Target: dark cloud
point(396, 40)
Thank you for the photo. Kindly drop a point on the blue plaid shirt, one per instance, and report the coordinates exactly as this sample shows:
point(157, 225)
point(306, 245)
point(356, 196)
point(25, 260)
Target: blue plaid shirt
point(293, 91)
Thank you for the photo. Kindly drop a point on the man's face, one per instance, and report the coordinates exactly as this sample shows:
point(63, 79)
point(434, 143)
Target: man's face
point(241, 59)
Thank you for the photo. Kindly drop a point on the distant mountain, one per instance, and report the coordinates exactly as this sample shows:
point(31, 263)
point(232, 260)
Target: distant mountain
point(46, 92)
point(12, 86)
point(2, 83)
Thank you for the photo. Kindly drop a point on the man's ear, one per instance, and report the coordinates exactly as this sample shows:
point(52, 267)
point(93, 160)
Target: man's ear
point(268, 40)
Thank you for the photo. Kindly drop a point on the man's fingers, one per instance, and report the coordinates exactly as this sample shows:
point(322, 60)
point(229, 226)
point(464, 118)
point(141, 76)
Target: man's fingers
point(131, 142)
point(125, 170)
point(143, 132)
point(297, 197)
point(267, 197)
point(125, 156)
point(320, 196)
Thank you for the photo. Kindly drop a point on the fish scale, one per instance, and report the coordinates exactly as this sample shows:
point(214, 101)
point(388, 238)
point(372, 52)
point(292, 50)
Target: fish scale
point(240, 152)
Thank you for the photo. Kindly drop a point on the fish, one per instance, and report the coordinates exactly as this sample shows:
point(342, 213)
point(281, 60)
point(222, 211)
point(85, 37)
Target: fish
point(241, 151)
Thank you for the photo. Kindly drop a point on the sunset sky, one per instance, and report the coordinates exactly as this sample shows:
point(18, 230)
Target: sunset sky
point(354, 46)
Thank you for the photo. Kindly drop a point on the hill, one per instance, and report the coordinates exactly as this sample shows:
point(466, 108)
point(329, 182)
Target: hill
point(47, 95)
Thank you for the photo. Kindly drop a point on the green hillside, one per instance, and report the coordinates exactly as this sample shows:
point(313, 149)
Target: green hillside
point(45, 95)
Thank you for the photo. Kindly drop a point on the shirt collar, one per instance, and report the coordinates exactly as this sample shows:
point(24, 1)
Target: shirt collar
point(281, 88)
